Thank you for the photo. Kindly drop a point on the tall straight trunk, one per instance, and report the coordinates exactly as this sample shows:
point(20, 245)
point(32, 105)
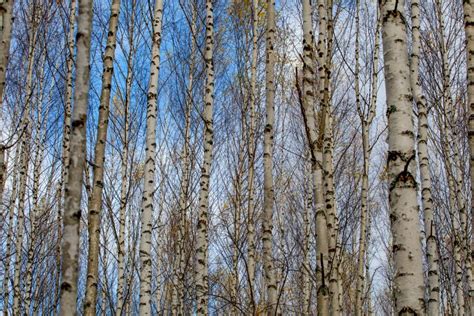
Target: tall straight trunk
point(73, 189)
point(469, 29)
point(9, 240)
point(407, 254)
point(124, 170)
point(456, 234)
point(6, 21)
point(39, 145)
point(306, 266)
point(24, 166)
point(366, 118)
point(426, 199)
point(268, 193)
point(251, 161)
point(150, 153)
point(66, 140)
point(309, 115)
point(202, 241)
point(451, 154)
point(95, 203)
point(237, 206)
point(179, 277)
point(325, 53)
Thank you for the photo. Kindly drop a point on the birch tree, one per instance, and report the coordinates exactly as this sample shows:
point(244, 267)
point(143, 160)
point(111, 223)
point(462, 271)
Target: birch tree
point(73, 190)
point(431, 247)
point(408, 280)
point(202, 242)
point(150, 153)
point(469, 30)
point(95, 203)
point(267, 216)
point(124, 189)
point(6, 19)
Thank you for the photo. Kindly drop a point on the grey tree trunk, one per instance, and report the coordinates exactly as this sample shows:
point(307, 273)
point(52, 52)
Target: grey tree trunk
point(73, 189)
point(66, 139)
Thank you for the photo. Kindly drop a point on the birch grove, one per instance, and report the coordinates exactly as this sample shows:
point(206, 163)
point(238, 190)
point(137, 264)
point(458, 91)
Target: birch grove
point(236, 157)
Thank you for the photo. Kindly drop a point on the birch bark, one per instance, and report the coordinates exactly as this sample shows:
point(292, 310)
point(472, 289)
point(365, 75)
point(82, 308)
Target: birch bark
point(469, 30)
point(268, 199)
point(424, 164)
point(366, 117)
point(124, 169)
point(202, 242)
point(407, 254)
point(95, 203)
point(73, 189)
point(150, 153)
point(251, 161)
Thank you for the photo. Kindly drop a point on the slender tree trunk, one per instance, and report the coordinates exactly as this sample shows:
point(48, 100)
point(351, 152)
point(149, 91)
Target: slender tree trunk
point(66, 140)
point(39, 145)
point(308, 102)
point(150, 153)
point(456, 203)
point(469, 29)
point(24, 166)
point(251, 161)
point(202, 242)
point(327, 155)
point(408, 279)
point(237, 201)
point(366, 120)
point(6, 21)
point(11, 213)
point(179, 292)
point(306, 308)
point(124, 171)
point(73, 190)
point(95, 203)
point(268, 199)
point(427, 202)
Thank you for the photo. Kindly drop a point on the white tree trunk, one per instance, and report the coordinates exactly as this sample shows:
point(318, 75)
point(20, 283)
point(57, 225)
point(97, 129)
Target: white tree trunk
point(427, 202)
point(268, 199)
point(308, 102)
point(124, 172)
point(95, 203)
point(366, 117)
point(150, 153)
point(469, 29)
point(73, 190)
point(24, 166)
point(401, 160)
point(251, 161)
point(6, 21)
point(202, 242)
point(66, 140)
